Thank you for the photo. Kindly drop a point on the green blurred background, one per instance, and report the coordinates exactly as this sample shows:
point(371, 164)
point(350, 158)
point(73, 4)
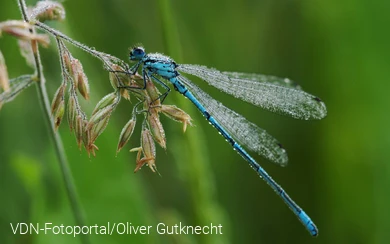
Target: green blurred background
point(339, 167)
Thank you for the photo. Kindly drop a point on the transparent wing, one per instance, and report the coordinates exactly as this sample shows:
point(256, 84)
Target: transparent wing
point(244, 132)
point(286, 82)
point(275, 94)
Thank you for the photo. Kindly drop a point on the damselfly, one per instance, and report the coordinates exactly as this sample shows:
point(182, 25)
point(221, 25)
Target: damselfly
point(269, 92)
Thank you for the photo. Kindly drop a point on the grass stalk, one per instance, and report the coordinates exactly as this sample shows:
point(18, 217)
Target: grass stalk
point(58, 145)
point(197, 170)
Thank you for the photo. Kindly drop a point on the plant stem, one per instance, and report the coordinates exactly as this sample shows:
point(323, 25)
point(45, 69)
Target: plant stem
point(64, 166)
point(56, 33)
point(100, 55)
point(196, 170)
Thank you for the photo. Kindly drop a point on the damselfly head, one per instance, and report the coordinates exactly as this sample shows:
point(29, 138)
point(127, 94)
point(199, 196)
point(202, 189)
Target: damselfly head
point(137, 53)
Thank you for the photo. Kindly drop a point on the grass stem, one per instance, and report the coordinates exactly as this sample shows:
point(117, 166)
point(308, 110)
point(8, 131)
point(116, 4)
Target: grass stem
point(197, 170)
point(59, 148)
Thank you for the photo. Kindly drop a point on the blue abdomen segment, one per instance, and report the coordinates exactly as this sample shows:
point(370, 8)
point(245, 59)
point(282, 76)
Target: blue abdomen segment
point(302, 216)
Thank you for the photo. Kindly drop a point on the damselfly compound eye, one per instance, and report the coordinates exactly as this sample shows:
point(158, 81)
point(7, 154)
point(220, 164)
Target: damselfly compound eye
point(137, 53)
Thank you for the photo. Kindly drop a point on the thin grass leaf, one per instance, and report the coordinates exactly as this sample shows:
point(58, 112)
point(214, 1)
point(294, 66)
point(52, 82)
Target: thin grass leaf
point(17, 85)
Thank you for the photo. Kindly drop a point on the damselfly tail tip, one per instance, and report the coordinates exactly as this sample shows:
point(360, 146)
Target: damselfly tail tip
point(313, 230)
